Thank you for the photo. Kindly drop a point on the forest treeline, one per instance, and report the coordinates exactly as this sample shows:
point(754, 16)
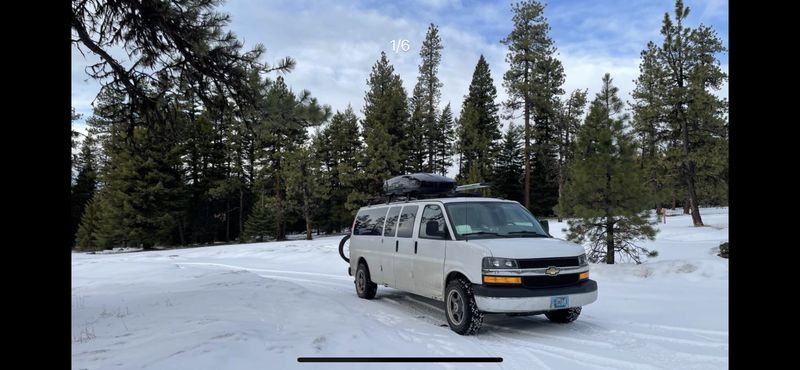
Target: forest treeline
point(198, 141)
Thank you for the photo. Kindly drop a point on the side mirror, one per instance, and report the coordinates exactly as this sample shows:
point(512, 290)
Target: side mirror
point(432, 229)
point(545, 225)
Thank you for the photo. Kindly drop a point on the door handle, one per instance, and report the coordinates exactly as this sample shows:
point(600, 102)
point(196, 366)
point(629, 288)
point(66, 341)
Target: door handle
point(415, 247)
point(396, 245)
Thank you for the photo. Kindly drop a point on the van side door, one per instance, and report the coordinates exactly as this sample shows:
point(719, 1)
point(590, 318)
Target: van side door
point(388, 247)
point(433, 235)
point(404, 249)
point(367, 239)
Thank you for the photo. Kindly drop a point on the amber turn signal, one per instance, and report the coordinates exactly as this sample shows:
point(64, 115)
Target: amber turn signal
point(584, 275)
point(502, 280)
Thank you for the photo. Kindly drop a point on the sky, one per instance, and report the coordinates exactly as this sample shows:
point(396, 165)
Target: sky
point(335, 43)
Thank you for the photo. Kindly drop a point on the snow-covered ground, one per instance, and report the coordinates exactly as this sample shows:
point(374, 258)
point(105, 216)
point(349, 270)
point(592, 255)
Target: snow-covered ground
point(260, 306)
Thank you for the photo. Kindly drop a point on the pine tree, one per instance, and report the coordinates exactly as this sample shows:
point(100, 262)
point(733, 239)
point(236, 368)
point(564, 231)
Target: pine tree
point(533, 82)
point(695, 117)
point(507, 179)
point(443, 147)
point(385, 122)
point(604, 188)
point(338, 147)
point(87, 236)
point(283, 129)
point(143, 193)
point(425, 105)
point(85, 184)
point(303, 183)
point(479, 126)
point(260, 222)
point(171, 40)
point(569, 120)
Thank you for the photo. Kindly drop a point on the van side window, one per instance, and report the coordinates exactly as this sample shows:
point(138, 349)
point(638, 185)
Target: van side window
point(432, 225)
point(406, 227)
point(391, 221)
point(370, 221)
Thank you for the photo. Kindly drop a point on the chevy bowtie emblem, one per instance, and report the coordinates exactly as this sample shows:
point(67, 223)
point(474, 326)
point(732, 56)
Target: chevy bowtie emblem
point(552, 271)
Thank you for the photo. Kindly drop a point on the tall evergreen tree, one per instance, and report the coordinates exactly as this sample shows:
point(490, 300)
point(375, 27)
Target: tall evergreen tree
point(533, 82)
point(88, 235)
point(604, 189)
point(443, 147)
point(282, 131)
point(303, 183)
point(479, 126)
point(695, 116)
point(338, 147)
point(649, 124)
point(85, 183)
point(425, 105)
point(388, 149)
point(569, 120)
point(507, 179)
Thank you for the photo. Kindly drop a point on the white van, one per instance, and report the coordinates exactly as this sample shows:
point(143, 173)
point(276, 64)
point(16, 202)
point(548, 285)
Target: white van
point(478, 255)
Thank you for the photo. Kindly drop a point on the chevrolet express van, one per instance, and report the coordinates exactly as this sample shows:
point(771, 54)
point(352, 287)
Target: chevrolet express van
point(479, 255)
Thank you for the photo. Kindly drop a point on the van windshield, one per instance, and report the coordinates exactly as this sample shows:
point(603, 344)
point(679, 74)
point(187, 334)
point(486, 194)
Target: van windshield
point(488, 220)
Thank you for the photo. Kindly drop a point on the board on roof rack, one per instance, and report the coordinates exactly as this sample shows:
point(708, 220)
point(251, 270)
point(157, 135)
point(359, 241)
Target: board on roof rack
point(419, 183)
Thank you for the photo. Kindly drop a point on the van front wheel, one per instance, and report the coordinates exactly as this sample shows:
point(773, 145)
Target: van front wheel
point(461, 310)
point(564, 316)
point(365, 288)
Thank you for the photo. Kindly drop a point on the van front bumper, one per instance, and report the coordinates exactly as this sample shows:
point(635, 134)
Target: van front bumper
point(505, 299)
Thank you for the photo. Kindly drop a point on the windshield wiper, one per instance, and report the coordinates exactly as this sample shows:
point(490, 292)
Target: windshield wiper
point(532, 233)
point(483, 233)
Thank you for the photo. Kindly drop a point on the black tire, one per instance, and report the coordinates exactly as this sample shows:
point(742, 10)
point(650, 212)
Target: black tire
point(461, 310)
point(564, 316)
point(365, 288)
point(341, 248)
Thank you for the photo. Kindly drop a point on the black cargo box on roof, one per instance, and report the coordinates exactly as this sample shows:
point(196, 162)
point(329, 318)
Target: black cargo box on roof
point(419, 183)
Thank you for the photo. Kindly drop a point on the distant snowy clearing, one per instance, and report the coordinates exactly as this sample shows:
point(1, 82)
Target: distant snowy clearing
point(260, 306)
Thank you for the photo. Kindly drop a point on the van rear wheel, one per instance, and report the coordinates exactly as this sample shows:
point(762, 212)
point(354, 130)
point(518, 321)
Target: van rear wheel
point(461, 310)
point(365, 288)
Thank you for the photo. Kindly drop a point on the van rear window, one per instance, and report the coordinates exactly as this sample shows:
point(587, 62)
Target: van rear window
point(370, 221)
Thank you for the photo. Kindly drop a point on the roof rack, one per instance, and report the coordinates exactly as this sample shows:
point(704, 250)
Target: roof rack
point(386, 199)
point(475, 186)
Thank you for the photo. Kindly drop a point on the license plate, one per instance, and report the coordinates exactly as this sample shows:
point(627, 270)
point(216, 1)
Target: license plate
point(559, 302)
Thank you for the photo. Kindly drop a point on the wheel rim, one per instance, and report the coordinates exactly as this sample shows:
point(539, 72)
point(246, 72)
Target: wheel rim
point(455, 307)
point(360, 281)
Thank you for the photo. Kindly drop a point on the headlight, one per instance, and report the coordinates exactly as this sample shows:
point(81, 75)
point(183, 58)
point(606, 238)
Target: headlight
point(582, 260)
point(499, 263)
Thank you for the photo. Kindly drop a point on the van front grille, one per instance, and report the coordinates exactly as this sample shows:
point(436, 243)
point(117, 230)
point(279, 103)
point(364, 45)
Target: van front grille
point(540, 263)
point(550, 281)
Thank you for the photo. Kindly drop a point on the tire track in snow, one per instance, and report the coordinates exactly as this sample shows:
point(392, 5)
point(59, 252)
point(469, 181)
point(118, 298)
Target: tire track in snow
point(665, 338)
point(265, 270)
point(600, 362)
point(527, 345)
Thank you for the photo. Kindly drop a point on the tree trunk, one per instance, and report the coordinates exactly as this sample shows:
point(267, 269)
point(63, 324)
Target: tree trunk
point(527, 191)
point(560, 191)
point(180, 232)
point(307, 215)
point(279, 231)
point(227, 221)
point(241, 212)
point(686, 208)
point(609, 240)
point(696, 219)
